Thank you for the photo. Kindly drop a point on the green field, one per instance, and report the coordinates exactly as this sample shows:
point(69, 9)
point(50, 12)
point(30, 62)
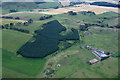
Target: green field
point(107, 39)
point(21, 67)
point(13, 40)
point(66, 20)
point(36, 22)
point(7, 6)
point(73, 66)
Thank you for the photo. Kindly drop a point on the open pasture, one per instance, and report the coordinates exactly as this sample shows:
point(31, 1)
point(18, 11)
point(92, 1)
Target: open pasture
point(104, 38)
point(19, 66)
point(13, 40)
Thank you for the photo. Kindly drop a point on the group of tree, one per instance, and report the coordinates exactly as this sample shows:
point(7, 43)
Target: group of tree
point(7, 17)
point(105, 4)
point(56, 7)
point(45, 17)
point(13, 10)
point(21, 30)
point(7, 26)
point(72, 13)
point(11, 26)
point(76, 3)
point(18, 18)
point(87, 13)
point(83, 27)
point(91, 13)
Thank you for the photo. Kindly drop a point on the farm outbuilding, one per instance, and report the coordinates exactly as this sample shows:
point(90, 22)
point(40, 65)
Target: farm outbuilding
point(101, 53)
point(93, 61)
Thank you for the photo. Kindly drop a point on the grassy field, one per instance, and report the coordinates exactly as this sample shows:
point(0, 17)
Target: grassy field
point(6, 6)
point(64, 19)
point(17, 66)
point(13, 40)
point(107, 39)
point(36, 22)
point(20, 66)
point(73, 66)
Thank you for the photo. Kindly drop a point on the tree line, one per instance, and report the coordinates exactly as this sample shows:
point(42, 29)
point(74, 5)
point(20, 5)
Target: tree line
point(107, 4)
point(45, 17)
point(11, 26)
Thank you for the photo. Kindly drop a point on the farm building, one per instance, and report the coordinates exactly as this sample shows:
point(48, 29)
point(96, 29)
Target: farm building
point(93, 61)
point(89, 47)
point(101, 54)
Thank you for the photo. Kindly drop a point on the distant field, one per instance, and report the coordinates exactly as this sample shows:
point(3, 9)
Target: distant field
point(76, 8)
point(36, 22)
point(64, 19)
point(13, 40)
point(96, 9)
point(7, 6)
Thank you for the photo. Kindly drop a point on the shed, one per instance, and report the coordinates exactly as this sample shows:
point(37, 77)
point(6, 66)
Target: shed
point(93, 61)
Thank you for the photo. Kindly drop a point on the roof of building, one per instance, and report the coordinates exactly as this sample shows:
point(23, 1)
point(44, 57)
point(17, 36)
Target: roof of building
point(101, 54)
point(93, 60)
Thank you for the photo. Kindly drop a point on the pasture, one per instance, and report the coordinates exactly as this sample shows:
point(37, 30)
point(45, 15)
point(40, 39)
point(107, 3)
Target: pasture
point(66, 20)
point(19, 66)
point(106, 39)
point(13, 40)
point(73, 66)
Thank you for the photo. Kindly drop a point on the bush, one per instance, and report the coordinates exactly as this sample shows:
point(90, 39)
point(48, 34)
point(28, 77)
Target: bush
point(72, 13)
point(45, 17)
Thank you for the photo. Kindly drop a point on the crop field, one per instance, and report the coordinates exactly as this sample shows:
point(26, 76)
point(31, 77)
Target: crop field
point(96, 9)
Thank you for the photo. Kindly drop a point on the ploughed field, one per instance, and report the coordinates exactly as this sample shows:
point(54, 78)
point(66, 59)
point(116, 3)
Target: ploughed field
point(46, 41)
